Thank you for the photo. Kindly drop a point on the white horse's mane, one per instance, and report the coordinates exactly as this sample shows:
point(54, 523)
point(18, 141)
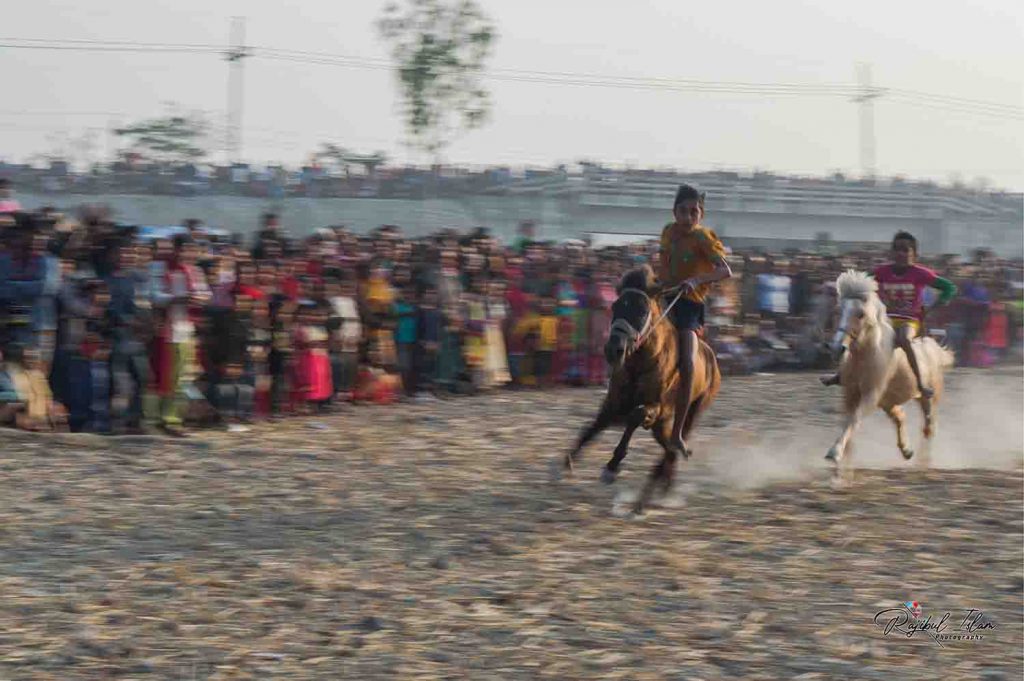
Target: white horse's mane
point(854, 284)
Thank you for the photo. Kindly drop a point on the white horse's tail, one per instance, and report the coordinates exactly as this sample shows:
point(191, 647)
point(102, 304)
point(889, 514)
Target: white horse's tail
point(943, 357)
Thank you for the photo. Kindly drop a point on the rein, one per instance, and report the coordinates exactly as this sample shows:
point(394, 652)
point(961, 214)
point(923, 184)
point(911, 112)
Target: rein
point(649, 327)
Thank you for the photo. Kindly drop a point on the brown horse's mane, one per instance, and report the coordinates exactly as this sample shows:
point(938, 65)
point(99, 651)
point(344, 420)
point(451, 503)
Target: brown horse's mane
point(654, 364)
point(641, 278)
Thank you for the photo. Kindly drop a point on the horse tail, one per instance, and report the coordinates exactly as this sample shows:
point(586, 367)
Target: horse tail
point(713, 375)
point(945, 357)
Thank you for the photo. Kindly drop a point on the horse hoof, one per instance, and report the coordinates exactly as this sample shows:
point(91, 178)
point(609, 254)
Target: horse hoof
point(682, 452)
point(833, 455)
point(608, 476)
point(558, 471)
point(908, 454)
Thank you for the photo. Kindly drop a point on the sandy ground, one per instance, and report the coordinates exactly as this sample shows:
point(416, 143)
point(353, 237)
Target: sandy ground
point(428, 541)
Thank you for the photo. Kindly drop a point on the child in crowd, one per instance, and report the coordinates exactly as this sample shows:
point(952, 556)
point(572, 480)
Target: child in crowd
point(232, 382)
point(346, 338)
point(281, 350)
point(547, 342)
point(405, 311)
point(497, 356)
point(28, 397)
point(313, 385)
point(473, 339)
point(428, 335)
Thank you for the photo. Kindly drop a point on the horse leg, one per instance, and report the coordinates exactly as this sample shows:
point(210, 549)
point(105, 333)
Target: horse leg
point(633, 421)
point(661, 476)
point(600, 423)
point(852, 422)
point(663, 436)
point(899, 419)
point(927, 407)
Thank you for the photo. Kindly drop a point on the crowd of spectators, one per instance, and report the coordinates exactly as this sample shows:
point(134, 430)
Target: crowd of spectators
point(107, 329)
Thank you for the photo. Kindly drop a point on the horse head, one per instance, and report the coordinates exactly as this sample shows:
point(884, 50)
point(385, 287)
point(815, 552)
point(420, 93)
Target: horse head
point(860, 309)
point(633, 313)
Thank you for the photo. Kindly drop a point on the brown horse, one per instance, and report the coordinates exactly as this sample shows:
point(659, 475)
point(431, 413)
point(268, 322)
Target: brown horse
point(642, 349)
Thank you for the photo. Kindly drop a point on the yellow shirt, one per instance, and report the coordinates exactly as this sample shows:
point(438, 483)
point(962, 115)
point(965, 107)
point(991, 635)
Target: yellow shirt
point(379, 295)
point(689, 254)
point(546, 328)
point(548, 333)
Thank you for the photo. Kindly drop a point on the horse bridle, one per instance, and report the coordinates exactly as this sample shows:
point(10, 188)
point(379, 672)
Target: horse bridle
point(637, 338)
point(844, 330)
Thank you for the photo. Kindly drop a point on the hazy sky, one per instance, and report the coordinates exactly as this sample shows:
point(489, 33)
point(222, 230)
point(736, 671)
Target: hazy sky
point(973, 51)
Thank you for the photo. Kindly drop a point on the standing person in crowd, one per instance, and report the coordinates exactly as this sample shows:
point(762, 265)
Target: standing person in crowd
point(600, 299)
point(82, 352)
point(449, 357)
point(131, 319)
point(539, 331)
point(518, 306)
point(282, 322)
point(27, 281)
point(346, 338)
point(430, 327)
point(474, 348)
point(494, 335)
point(232, 380)
point(313, 382)
point(547, 342)
point(181, 297)
point(406, 315)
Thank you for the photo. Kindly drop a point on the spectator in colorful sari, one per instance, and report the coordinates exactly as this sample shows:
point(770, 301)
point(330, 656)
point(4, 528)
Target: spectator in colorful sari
point(181, 297)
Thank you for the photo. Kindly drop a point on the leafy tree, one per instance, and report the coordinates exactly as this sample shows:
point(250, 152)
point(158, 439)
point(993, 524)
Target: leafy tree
point(440, 49)
point(174, 138)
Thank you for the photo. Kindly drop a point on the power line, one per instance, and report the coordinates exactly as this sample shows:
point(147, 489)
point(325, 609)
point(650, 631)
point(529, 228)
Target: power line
point(574, 79)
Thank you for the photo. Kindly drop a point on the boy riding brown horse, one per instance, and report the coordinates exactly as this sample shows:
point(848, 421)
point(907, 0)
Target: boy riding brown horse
point(663, 377)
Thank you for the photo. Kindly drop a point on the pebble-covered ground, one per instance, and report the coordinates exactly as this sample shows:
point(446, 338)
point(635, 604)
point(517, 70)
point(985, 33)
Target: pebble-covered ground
point(428, 541)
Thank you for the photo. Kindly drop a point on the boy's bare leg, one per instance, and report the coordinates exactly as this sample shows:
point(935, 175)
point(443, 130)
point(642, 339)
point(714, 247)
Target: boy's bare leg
point(903, 341)
point(687, 348)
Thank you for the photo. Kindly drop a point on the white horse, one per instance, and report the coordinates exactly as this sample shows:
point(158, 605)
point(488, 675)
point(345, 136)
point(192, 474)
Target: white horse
point(874, 372)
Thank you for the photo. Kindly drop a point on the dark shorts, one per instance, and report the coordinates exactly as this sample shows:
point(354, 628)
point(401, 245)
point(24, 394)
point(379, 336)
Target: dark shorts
point(686, 314)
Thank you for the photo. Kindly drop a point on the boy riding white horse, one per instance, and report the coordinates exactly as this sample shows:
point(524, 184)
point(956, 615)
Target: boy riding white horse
point(875, 371)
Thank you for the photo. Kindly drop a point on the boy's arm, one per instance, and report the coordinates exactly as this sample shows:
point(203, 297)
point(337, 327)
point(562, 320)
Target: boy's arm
point(946, 289)
point(714, 251)
point(721, 271)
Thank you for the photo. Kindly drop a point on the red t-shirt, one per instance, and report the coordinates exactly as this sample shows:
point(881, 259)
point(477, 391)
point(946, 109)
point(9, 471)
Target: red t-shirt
point(903, 294)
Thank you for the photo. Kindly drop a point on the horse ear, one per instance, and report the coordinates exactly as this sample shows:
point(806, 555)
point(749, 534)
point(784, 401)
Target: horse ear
point(650, 279)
